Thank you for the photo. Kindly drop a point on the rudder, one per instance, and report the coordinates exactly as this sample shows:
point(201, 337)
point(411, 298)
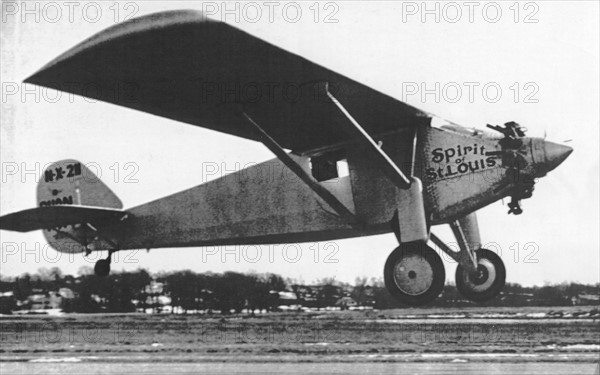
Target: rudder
point(70, 182)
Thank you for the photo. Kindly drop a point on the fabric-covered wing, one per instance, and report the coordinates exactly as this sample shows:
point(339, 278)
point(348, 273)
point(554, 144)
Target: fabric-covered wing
point(183, 66)
point(59, 216)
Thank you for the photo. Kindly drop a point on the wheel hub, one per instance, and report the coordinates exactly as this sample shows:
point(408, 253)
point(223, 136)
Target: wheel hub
point(413, 275)
point(481, 275)
point(483, 278)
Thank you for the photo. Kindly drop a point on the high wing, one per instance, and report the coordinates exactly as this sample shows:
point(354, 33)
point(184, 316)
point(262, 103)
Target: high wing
point(59, 216)
point(183, 66)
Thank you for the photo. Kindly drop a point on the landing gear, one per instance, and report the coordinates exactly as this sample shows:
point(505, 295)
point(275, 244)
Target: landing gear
point(480, 275)
point(414, 274)
point(486, 282)
point(102, 267)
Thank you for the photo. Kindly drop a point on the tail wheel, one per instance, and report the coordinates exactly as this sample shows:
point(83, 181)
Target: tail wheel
point(102, 268)
point(414, 274)
point(487, 282)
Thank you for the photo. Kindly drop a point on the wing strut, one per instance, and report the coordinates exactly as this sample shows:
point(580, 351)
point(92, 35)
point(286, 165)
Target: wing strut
point(389, 168)
point(321, 191)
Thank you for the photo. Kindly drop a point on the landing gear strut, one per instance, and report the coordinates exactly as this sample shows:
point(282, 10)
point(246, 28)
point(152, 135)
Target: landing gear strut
point(102, 267)
point(414, 274)
point(480, 275)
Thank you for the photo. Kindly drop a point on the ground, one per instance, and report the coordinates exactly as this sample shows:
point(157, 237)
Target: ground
point(541, 339)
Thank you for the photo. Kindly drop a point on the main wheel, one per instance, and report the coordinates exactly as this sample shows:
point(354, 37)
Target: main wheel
point(102, 268)
point(414, 274)
point(487, 282)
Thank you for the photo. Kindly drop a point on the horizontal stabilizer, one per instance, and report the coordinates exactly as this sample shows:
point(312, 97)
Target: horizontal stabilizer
point(59, 216)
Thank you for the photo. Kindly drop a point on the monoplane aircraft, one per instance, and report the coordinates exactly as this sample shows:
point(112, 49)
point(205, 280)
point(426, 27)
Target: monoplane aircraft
point(404, 174)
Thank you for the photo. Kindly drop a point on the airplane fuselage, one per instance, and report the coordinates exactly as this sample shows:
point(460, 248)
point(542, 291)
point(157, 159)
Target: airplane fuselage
point(266, 203)
point(460, 170)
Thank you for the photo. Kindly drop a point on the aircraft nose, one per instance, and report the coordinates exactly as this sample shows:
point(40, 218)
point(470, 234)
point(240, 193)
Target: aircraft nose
point(555, 154)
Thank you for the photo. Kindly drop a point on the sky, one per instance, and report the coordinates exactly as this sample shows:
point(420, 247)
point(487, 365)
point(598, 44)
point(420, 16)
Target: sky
point(536, 63)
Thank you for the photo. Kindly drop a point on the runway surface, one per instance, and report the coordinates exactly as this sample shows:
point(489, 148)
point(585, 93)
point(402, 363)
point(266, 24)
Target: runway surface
point(300, 368)
point(529, 340)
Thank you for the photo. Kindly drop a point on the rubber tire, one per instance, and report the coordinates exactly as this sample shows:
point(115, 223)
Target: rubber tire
point(494, 289)
point(436, 264)
point(102, 268)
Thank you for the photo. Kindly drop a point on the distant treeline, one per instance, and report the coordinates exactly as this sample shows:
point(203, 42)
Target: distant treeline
point(187, 291)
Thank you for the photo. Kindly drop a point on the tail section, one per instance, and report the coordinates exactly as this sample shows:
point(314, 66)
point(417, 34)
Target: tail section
point(70, 182)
